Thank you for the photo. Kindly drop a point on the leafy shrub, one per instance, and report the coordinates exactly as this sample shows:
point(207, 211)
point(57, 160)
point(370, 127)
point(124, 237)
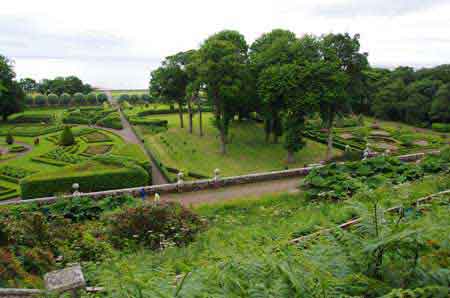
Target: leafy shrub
point(441, 127)
point(90, 175)
point(339, 181)
point(53, 99)
point(9, 139)
point(67, 138)
point(145, 98)
point(40, 100)
point(102, 97)
point(155, 225)
point(134, 98)
point(65, 99)
point(79, 98)
point(29, 100)
point(91, 98)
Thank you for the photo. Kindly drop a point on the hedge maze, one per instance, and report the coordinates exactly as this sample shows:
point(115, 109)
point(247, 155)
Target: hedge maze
point(98, 160)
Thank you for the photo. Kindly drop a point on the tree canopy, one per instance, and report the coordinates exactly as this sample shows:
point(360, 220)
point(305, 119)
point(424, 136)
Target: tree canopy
point(11, 94)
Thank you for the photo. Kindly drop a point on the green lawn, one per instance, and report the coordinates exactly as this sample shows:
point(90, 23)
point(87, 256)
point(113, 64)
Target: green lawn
point(247, 152)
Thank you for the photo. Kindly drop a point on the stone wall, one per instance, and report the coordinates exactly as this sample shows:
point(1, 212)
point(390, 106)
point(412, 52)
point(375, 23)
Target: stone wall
point(203, 184)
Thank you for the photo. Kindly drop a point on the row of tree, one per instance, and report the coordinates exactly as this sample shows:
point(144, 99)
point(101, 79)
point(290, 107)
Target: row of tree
point(419, 97)
point(135, 98)
point(65, 99)
point(281, 77)
point(58, 85)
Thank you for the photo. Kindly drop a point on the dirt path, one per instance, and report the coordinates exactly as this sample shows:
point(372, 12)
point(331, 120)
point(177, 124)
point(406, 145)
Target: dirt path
point(250, 191)
point(128, 134)
point(20, 154)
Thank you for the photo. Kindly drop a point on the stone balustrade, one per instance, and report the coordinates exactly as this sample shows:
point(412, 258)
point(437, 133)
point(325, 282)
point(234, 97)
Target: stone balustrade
point(197, 185)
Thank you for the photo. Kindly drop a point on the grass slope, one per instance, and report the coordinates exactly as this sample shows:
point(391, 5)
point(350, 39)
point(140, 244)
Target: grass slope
point(247, 153)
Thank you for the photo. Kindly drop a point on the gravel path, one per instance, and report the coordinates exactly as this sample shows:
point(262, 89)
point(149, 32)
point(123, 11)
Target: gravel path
point(249, 191)
point(20, 154)
point(128, 134)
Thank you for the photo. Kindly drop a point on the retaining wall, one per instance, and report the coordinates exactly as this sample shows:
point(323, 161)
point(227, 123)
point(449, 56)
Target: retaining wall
point(201, 184)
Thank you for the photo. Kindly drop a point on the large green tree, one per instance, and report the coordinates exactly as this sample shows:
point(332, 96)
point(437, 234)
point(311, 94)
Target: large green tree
point(266, 55)
point(11, 94)
point(343, 68)
point(169, 82)
point(223, 62)
point(440, 107)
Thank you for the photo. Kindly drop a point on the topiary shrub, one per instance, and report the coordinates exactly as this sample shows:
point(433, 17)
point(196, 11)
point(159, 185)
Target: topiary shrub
point(67, 138)
point(65, 99)
point(124, 97)
point(53, 99)
point(91, 98)
point(102, 97)
point(134, 98)
point(79, 98)
point(155, 225)
point(29, 100)
point(9, 139)
point(145, 98)
point(40, 100)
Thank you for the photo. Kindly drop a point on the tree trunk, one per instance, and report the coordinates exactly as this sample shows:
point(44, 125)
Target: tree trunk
point(190, 114)
point(330, 137)
point(290, 157)
point(223, 140)
point(200, 119)
point(268, 129)
point(180, 113)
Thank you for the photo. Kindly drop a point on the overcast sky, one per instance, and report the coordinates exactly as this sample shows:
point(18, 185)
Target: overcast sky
point(115, 44)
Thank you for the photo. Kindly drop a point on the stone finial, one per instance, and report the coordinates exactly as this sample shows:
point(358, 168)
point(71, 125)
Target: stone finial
point(216, 174)
point(67, 279)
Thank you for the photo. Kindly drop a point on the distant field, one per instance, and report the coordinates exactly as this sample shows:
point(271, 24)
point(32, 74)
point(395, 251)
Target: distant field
point(117, 93)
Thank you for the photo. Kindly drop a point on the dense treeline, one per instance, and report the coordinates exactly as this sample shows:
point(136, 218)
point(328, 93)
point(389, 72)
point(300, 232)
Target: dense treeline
point(65, 99)
point(284, 79)
point(58, 85)
point(419, 97)
point(281, 77)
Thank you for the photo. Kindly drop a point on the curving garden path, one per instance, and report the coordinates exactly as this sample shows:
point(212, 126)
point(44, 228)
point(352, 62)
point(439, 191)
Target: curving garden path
point(129, 136)
point(19, 154)
point(251, 191)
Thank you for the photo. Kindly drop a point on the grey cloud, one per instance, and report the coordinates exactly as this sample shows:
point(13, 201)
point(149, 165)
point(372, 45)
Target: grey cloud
point(388, 8)
point(21, 37)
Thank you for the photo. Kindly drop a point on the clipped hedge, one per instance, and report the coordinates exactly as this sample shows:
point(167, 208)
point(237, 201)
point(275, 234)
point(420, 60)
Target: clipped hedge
point(32, 118)
point(441, 127)
point(168, 111)
point(154, 122)
point(91, 176)
point(111, 121)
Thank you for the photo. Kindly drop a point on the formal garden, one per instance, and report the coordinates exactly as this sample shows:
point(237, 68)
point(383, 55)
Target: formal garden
point(37, 164)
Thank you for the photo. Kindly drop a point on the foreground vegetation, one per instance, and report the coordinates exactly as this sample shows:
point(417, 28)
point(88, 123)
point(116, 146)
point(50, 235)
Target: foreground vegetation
point(241, 248)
